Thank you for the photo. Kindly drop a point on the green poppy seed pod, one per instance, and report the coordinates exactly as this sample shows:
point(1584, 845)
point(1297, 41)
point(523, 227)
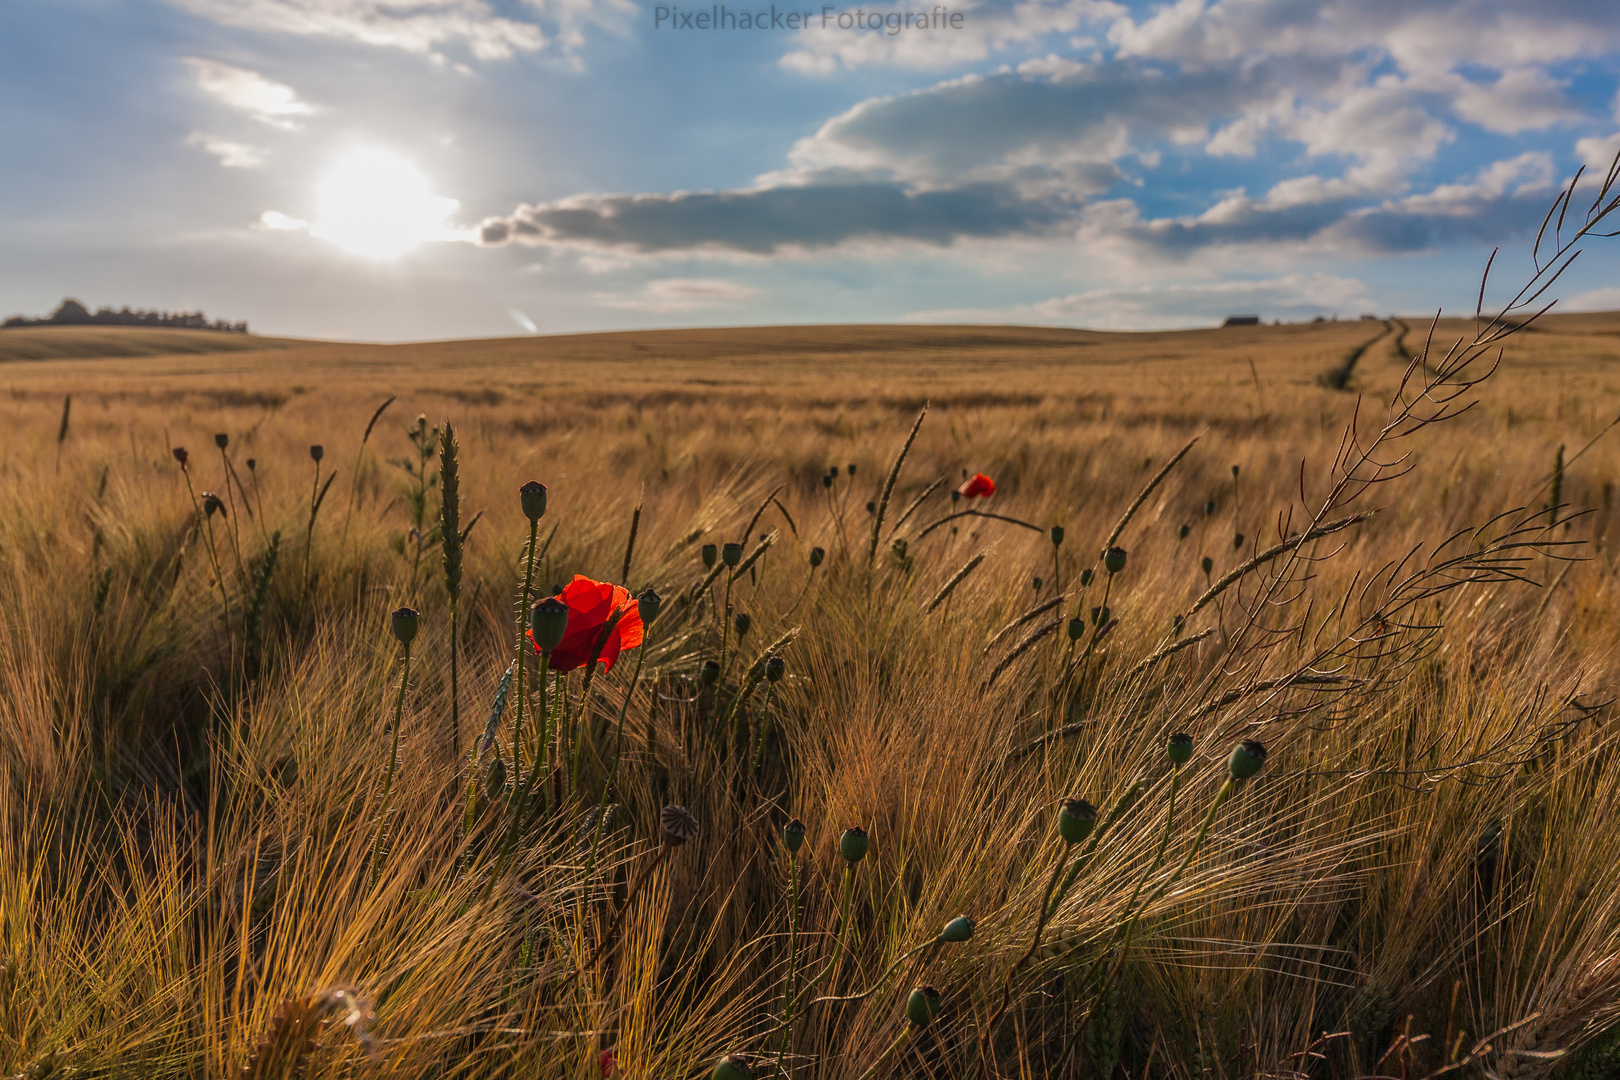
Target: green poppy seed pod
point(922, 1005)
point(317, 452)
point(532, 497)
point(1114, 560)
point(222, 440)
point(1247, 758)
point(211, 504)
point(1076, 818)
point(826, 481)
point(1180, 748)
point(1035, 583)
point(1237, 542)
point(957, 930)
point(793, 835)
point(817, 557)
point(742, 621)
point(710, 673)
point(731, 554)
point(549, 621)
point(775, 668)
point(1209, 508)
point(853, 845)
point(710, 555)
point(1234, 472)
point(871, 507)
point(648, 604)
point(956, 496)
point(1207, 563)
point(1181, 533)
point(404, 622)
point(1085, 577)
point(252, 464)
point(850, 469)
point(1057, 536)
point(180, 455)
point(731, 1067)
point(832, 471)
point(1077, 629)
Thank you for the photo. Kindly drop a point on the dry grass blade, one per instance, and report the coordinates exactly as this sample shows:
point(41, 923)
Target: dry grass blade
point(1141, 497)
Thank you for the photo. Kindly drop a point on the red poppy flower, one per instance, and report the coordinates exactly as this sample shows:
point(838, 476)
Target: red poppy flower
point(590, 605)
point(608, 1063)
point(977, 487)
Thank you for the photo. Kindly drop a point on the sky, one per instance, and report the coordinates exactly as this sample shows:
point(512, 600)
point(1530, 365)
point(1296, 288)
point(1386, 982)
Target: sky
point(389, 170)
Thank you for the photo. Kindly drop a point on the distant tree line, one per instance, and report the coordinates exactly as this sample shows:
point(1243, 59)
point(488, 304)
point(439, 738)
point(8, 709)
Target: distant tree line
point(73, 313)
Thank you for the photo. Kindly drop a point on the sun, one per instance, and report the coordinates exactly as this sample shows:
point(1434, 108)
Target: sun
point(377, 204)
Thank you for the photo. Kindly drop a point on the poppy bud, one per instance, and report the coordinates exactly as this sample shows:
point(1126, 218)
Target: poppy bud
point(211, 504)
point(871, 507)
point(317, 452)
point(1209, 508)
point(1076, 817)
point(676, 826)
point(957, 930)
point(1057, 536)
point(1181, 533)
point(1077, 629)
point(1234, 472)
point(1247, 757)
point(1207, 563)
point(1237, 542)
point(252, 464)
point(404, 622)
point(222, 440)
point(532, 497)
point(1114, 560)
point(549, 621)
point(742, 621)
point(850, 469)
point(775, 668)
point(731, 554)
point(832, 471)
point(1101, 615)
point(922, 1006)
point(1035, 583)
point(180, 455)
point(1085, 577)
point(648, 605)
point(710, 554)
point(817, 556)
point(956, 496)
point(710, 673)
point(854, 844)
point(731, 1067)
point(793, 835)
point(1179, 748)
point(826, 481)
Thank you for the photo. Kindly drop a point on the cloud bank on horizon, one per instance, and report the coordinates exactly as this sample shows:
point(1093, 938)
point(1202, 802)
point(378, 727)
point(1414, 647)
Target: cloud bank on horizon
point(1075, 161)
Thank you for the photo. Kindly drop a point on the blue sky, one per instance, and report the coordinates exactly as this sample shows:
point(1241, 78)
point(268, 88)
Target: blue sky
point(409, 169)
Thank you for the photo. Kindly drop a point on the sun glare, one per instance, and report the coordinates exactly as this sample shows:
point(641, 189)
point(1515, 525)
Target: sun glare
point(377, 204)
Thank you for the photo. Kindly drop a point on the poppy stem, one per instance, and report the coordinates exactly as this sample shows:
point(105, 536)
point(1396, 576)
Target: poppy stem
point(762, 728)
point(522, 639)
point(725, 629)
point(613, 775)
point(793, 956)
point(393, 763)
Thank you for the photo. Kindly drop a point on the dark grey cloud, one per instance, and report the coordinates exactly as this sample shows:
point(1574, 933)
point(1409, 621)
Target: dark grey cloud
point(768, 220)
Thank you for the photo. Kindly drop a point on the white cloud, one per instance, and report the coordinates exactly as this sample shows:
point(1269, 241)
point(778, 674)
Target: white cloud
point(232, 155)
point(678, 294)
point(1605, 299)
point(276, 221)
point(425, 27)
point(247, 91)
point(1178, 304)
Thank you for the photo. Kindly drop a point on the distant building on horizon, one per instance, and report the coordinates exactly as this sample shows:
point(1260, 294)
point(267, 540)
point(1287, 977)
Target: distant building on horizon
point(1242, 320)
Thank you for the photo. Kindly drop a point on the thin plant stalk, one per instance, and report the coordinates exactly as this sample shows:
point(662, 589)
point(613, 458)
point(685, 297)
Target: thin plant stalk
point(393, 764)
point(522, 656)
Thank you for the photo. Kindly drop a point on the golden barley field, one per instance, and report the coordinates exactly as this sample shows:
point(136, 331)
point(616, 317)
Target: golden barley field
point(250, 832)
